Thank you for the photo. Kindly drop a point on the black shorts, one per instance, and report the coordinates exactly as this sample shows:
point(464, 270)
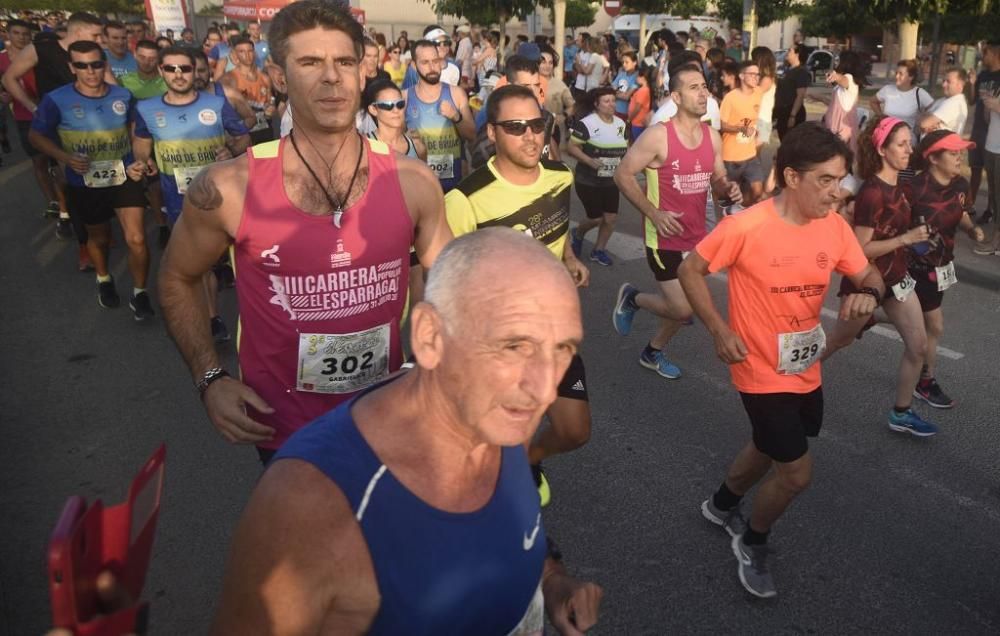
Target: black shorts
point(574, 382)
point(927, 289)
point(976, 157)
point(95, 206)
point(782, 422)
point(598, 200)
point(23, 128)
point(664, 263)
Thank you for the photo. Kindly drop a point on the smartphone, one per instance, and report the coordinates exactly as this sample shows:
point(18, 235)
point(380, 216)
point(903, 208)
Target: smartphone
point(88, 540)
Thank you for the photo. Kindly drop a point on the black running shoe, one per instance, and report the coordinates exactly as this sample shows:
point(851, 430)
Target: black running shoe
point(163, 236)
point(219, 331)
point(64, 229)
point(141, 307)
point(929, 391)
point(107, 295)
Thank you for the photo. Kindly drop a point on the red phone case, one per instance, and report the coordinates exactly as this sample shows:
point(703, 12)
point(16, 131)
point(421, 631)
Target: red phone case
point(119, 539)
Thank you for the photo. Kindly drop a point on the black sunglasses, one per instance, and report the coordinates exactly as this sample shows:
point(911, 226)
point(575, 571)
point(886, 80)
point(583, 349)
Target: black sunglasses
point(177, 68)
point(518, 127)
point(390, 105)
point(98, 65)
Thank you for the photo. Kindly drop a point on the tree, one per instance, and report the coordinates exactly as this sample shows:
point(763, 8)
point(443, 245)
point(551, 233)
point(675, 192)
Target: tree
point(579, 13)
point(486, 12)
point(768, 11)
point(831, 18)
point(645, 8)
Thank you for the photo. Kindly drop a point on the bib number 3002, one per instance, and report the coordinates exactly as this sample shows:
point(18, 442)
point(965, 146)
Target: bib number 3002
point(799, 350)
point(342, 363)
point(105, 174)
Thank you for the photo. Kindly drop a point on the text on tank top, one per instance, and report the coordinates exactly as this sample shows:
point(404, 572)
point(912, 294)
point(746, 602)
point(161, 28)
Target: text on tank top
point(437, 572)
point(320, 306)
point(681, 185)
point(444, 146)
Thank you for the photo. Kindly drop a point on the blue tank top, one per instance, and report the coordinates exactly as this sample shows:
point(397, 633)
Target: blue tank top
point(444, 146)
point(437, 572)
point(411, 150)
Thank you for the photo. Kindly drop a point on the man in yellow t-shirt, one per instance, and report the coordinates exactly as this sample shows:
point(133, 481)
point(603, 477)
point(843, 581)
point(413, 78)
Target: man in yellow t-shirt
point(739, 111)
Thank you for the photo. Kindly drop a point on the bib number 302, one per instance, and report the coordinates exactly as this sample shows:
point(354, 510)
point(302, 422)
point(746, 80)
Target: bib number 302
point(342, 363)
point(799, 350)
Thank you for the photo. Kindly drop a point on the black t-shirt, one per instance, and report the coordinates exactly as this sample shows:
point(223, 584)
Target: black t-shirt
point(987, 83)
point(52, 70)
point(784, 95)
point(379, 75)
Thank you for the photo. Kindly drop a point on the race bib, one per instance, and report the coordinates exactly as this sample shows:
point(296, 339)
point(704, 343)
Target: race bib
point(443, 166)
point(184, 176)
point(946, 276)
point(105, 174)
point(904, 288)
point(799, 350)
point(608, 166)
point(342, 363)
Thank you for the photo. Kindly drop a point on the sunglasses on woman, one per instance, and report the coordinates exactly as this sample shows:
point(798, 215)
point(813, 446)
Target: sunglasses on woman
point(517, 127)
point(400, 104)
point(94, 66)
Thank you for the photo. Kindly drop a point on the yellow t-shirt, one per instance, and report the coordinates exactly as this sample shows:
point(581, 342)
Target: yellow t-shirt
point(738, 109)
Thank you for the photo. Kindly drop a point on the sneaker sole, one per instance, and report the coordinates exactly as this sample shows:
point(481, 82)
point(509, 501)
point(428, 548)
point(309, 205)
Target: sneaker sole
point(135, 314)
point(739, 570)
point(917, 395)
point(652, 366)
point(906, 429)
point(594, 260)
point(708, 514)
point(618, 304)
point(101, 303)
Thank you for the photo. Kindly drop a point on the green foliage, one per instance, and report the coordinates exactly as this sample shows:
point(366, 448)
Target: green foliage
point(962, 20)
point(100, 7)
point(768, 11)
point(579, 13)
point(484, 11)
point(833, 18)
point(681, 8)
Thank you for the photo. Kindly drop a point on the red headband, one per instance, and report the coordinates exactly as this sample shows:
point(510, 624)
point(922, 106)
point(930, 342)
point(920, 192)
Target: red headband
point(883, 130)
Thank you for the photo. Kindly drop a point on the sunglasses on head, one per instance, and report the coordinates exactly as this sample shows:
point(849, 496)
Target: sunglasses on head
point(96, 66)
point(400, 104)
point(518, 127)
point(177, 68)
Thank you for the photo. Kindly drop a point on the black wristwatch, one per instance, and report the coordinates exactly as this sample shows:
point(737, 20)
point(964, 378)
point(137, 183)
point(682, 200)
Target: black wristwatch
point(874, 293)
point(210, 376)
point(460, 118)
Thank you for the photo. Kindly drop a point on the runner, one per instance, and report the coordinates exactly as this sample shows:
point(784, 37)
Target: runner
point(739, 111)
point(440, 114)
point(255, 86)
point(397, 518)
point(221, 57)
point(598, 143)
point(261, 49)
point(84, 126)
point(203, 82)
point(938, 195)
point(882, 224)
point(518, 189)
point(780, 255)
point(320, 299)
point(120, 58)
point(682, 163)
point(190, 130)
point(987, 87)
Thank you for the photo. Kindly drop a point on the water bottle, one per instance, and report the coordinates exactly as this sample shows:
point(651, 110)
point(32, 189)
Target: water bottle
point(922, 247)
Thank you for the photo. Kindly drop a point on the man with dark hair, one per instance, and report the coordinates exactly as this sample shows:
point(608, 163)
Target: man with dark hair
point(739, 110)
point(221, 58)
point(187, 38)
point(90, 137)
point(790, 96)
point(120, 58)
point(987, 86)
point(780, 255)
point(255, 86)
point(203, 82)
point(321, 223)
point(261, 49)
point(370, 68)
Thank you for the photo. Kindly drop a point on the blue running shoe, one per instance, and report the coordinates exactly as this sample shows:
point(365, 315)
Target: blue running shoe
point(625, 309)
point(910, 422)
point(660, 364)
point(576, 242)
point(601, 258)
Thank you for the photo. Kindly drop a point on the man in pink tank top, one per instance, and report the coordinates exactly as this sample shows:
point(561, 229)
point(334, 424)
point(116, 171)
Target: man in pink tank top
point(320, 225)
point(683, 160)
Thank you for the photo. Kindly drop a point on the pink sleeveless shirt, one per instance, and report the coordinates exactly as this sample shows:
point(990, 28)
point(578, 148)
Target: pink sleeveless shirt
point(681, 185)
point(320, 306)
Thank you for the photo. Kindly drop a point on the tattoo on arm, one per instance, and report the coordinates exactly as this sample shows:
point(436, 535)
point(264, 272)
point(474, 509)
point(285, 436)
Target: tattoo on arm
point(203, 194)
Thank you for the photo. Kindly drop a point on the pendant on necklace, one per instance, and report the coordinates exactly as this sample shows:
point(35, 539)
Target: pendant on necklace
point(336, 217)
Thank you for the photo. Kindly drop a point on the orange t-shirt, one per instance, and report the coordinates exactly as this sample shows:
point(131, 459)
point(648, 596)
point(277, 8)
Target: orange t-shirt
point(738, 109)
point(779, 274)
point(641, 97)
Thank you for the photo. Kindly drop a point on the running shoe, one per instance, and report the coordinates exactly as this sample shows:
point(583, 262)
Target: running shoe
point(83, 262)
point(601, 258)
point(52, 210)
point(910, 422)
point(544, 492)
point(659, 363)
point(576, 242)
point(625, 309)
point(163, 236)
point(141, 307)
point(107, 295)
point(731, 521)
point(219, 332)
point(753, 571)
point(929, 391)
point(64, 229)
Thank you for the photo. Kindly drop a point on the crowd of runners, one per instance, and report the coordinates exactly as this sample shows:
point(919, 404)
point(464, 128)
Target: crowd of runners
point(419, 189)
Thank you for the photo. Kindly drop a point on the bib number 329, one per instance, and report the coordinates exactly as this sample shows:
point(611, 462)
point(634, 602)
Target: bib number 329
point(342, 363)
point(105, 174)
point(799, 350)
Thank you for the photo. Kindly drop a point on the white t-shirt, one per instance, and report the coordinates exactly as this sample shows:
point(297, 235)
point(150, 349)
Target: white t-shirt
point(597, 73)
point(903, 104)
point(451, 74)
point(993, 134)
point(583, 58)
point(767, 104)
point(668, 109)
point(952, 111)
point(848, 96)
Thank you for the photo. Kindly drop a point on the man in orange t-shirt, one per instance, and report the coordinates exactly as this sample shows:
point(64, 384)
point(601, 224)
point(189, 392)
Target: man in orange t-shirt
point(738, 111)
point(780, 255)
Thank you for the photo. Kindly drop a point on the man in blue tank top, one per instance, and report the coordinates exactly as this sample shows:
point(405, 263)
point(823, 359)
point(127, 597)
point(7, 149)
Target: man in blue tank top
point(411, 509)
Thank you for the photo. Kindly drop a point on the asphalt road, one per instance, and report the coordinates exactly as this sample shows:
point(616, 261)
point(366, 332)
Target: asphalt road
point(896, 535)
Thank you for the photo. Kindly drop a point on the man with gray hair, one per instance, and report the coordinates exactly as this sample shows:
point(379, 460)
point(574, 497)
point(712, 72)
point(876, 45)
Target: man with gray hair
point(410, 509)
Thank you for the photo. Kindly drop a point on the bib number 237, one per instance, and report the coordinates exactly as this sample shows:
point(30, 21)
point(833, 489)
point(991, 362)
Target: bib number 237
point(342, 363)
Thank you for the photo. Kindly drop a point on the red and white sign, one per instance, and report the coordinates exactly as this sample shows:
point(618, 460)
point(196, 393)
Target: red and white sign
point(612, 7)
point(265, 10)
point(167, 14)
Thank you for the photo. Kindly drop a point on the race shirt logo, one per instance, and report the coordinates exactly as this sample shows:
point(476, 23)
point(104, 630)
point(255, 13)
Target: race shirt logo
point(119, 107)
point(208, 117)
point(822, 260)
point(161, 119)
point(78, 111)
point(340, 258)
point(273, 255)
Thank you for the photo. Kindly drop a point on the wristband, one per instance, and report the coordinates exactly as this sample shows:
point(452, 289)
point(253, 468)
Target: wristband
point(874, 293)
point(459, 120)
point(210, 376)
